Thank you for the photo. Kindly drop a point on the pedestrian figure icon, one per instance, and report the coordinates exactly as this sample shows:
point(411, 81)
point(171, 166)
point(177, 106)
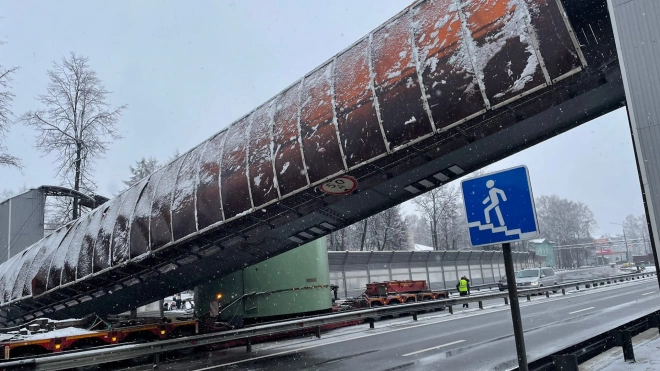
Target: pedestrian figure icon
point(506, 196)
point(494, 202)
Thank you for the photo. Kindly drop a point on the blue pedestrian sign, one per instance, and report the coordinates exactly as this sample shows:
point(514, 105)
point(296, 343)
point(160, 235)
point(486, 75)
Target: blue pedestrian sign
point(500, 207)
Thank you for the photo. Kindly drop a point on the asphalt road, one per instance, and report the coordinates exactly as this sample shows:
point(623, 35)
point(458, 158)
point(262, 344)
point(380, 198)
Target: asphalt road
point(471, 339)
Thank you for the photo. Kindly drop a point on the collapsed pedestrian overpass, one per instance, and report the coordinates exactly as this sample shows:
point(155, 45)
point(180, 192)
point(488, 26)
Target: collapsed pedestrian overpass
point(443, 88)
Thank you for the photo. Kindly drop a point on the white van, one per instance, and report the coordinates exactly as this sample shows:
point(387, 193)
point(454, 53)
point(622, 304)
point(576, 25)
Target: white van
point(536, 277)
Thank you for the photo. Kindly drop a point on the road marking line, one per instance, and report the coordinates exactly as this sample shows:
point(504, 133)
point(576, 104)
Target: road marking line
point(649, 293)
point(581, 310)
point(433, 348)
point(485, 312)
point(296, 350)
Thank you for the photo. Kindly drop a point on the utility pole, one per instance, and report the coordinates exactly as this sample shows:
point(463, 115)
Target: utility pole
point(625, 241)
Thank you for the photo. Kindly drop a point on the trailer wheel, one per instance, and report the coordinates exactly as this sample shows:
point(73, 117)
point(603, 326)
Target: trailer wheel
point(410, 300)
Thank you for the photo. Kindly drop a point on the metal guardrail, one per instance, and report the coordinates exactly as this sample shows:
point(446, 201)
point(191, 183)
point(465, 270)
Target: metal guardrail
point(559, 272)
point(568, 359)
point(113, 353)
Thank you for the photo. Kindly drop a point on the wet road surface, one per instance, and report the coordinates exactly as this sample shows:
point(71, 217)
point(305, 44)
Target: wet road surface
point(471, 339)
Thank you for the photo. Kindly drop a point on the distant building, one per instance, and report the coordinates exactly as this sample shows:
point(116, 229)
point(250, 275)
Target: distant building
point(543, 248)
point(21, 222)
point(22, 216)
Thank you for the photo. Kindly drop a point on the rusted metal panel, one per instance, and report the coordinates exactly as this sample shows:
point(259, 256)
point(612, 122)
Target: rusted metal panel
point(317, 127)
point(7, 279)
point(102, 253)
point(451, 84)
point(233, 180)
point(502, 49)
point(52, 243)
point(72, 255)
point(69, 248)
point(263, 182)
point(19, 287)
point(139, 233)
point(291, 174)
point(86, 256)
point(433, 66)
point(209, 207)
point(184, 219)
point(399, 95)
point(160, 226)
point(558, 50)
point(120, 247)
point(357, 117)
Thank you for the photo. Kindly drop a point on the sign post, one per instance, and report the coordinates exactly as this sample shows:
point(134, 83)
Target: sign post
point(515, 307)
point(500, 209)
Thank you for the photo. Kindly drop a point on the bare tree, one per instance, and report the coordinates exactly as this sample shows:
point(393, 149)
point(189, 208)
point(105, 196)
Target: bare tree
point(141, 169)
point(388, 230)
point(449, 217)
point(440, 207)
point(6, 97)
point(636, 228)
point(565, 222)
point(428, 205)
point(76, 122)
point(419, 228)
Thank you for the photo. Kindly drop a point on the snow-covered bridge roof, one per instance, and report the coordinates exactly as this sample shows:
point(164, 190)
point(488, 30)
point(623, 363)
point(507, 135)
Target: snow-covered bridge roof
point(402, 110)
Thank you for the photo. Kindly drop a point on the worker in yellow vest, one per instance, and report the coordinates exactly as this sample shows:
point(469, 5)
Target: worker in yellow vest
point(463, 287)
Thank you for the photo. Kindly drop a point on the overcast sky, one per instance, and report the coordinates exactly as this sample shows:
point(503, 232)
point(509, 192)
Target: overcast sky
point(188, 69)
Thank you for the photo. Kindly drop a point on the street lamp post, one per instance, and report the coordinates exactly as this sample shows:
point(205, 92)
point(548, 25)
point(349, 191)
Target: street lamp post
point(624, 241)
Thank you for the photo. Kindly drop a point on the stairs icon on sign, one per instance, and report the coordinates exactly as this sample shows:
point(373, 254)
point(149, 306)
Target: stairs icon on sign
point(503, 228)
point(495, 229)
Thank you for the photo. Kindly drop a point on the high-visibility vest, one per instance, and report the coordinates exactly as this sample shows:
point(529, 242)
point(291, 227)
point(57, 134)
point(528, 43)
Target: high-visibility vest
point(463, 286)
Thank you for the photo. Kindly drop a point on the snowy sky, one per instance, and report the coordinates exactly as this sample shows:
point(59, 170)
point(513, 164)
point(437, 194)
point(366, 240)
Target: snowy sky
point(187, 71)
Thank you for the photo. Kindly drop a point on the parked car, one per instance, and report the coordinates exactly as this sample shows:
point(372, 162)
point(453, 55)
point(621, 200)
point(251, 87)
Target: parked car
point(535, 277)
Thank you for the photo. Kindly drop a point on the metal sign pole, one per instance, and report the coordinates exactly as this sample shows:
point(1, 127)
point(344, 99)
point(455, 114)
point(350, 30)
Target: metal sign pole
point(515, 308)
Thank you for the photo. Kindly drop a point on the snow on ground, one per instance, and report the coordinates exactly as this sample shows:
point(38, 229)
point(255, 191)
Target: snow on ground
point(389, 325)
point(647, 356)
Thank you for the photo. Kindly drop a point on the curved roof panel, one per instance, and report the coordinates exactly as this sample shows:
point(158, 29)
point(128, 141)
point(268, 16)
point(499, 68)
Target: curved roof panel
point(429, 68)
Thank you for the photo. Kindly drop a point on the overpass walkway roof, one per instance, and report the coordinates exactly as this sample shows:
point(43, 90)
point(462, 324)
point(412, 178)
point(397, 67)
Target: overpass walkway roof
point(435, 92)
